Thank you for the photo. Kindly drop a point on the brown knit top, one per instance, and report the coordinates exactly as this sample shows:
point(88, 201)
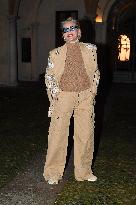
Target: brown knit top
point(74, 77)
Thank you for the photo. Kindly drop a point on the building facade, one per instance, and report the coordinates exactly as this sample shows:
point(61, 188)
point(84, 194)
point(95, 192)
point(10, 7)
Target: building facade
point(29, 32)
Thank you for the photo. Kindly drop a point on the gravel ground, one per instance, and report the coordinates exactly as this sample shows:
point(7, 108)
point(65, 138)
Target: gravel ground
point(29, 187)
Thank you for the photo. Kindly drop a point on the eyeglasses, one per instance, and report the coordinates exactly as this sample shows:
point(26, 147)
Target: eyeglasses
point(72, 28)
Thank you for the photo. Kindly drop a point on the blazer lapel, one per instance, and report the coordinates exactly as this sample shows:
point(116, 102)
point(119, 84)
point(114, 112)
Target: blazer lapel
point(60, 61)
point(85, 57)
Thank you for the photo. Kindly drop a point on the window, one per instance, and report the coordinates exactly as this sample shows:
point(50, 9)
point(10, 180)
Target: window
point(26, 50)
point(124, 48)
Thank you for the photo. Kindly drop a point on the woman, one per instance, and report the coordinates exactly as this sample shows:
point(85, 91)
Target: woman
point(71, 78)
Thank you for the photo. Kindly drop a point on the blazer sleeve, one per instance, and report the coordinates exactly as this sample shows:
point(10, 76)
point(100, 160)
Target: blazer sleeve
point(96, 73)
point(50, 81)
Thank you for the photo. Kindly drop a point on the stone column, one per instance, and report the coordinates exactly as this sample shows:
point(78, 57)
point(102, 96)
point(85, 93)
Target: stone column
point(12, 50)
point(34, 49)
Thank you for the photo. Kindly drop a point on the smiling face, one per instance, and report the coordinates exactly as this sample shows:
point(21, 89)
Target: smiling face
point(71, 31)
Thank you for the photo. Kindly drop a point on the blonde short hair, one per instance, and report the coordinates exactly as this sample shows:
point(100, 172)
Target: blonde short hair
point(70, 19)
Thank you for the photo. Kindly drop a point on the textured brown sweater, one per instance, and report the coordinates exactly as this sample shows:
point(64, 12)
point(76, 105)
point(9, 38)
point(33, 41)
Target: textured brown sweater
point(74, 77)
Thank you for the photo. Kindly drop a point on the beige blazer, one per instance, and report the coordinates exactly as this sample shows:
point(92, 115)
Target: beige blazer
point(56, 65)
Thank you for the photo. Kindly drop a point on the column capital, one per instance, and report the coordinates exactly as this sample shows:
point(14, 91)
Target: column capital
point(34, 25)
point(12, 18)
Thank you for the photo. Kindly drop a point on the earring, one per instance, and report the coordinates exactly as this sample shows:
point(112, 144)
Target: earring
point(79, 36)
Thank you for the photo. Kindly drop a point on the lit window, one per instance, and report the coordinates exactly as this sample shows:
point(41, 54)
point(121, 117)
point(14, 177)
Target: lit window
point(124, 48)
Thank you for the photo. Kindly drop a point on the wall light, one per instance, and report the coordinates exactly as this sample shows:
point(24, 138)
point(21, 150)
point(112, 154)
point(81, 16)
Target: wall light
point(98, 19)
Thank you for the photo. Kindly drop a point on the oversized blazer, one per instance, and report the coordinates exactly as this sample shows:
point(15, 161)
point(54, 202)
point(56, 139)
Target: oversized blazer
point(56, 66)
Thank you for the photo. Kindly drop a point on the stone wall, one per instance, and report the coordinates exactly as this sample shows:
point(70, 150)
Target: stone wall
point(37, 21)
point(4, 43)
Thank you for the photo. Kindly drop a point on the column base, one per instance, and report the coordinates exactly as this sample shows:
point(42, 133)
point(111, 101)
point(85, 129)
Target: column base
point(13, 84)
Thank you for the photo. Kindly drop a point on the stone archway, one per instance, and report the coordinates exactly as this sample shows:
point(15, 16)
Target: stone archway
point(120, 21)
point(102, 12)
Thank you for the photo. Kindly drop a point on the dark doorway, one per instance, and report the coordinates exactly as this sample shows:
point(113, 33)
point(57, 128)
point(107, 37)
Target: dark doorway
point(122, 30)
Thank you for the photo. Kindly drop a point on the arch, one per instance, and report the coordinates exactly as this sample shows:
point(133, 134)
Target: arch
point(106, 9)
point(115, 11)
point(120, 13)
point(91, 7)
point(37, 7)
point(14, 7)
point(102, 11)
point(103, 7)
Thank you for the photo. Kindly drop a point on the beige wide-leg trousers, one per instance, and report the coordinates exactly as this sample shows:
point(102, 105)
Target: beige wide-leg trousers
point(82, 105)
